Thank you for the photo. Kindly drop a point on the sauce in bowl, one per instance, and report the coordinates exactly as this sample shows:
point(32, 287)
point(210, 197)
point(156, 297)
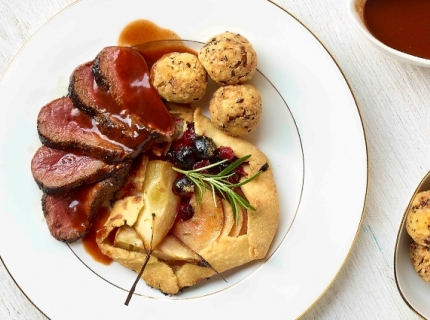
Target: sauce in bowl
point(403, 25)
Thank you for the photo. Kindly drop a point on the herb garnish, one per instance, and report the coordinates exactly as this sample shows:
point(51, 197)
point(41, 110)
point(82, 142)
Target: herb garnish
point(219, 183)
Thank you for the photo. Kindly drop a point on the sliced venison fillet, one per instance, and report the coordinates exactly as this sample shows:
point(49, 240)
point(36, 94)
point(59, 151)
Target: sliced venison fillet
point(111, 115)
point(124, 73)
point(69, 217)
point(56, 171)
point(114, 122)
point(62, 126)
point(87, 95)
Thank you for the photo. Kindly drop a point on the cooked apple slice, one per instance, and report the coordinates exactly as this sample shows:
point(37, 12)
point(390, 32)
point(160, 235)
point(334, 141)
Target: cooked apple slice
point(128, 239)
point(160, 204)
point(204, 227)
point(228, 218)
point(237, 227)
point(172, 249)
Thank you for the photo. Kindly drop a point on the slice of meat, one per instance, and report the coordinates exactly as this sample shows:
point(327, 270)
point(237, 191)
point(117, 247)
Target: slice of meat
point(124, 73)
point(114, 121)
point(56, 171)
point(69, 217)
point(87, 95)
point(62, 126)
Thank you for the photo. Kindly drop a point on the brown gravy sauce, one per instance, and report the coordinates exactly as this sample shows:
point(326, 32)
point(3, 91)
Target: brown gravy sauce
point(137, 33)
point(89, 240)
point(400, 24)
point(151, 40)
point(143, 31)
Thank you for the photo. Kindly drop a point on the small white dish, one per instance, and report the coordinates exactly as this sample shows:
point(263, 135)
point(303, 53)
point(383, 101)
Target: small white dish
point(414, 290)
point(355, 11)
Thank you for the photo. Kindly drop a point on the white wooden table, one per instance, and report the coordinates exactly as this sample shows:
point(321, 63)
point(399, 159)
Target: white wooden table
point(394, 101)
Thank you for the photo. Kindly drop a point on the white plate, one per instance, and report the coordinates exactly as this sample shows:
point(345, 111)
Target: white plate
point(311, 131)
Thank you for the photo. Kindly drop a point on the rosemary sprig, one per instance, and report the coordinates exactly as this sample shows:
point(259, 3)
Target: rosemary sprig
point(219, 183)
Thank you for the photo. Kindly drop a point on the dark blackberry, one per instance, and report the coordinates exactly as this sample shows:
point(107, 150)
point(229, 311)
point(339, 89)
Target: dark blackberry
point(185, 157)
point(183, 187)
point(204, 147)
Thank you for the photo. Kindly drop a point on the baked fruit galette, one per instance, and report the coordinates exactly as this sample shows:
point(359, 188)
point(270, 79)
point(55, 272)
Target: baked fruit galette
point(188, 247)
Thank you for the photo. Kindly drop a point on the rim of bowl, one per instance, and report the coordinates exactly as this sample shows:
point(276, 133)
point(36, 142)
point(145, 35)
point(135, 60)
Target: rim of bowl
point(401, 232)
point(358, 22)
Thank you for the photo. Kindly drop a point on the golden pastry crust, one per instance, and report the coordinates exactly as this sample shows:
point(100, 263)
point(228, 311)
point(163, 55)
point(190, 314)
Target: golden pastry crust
point(179, 77)
point(236, 109)
point(232, 246)
point(418, 219)
point(261, 192)
point(229, 58)
point(420, 257)
point(181, 111)
point(157, 274)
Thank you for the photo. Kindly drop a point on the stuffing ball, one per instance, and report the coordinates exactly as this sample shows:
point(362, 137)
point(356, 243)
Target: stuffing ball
point(420, 257)
point(236, 109)
point(418, 219)
point(179, 77)
point(228, 58)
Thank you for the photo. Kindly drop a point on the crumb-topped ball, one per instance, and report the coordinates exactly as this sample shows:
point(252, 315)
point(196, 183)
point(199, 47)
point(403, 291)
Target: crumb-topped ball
point(420, 257)
point(236, 109)
point(229, 58)
point(179, 77)
point(418, 219)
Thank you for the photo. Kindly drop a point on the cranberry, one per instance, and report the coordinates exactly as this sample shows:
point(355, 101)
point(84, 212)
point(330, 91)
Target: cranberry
point(239, 172)
point(189, 135)
point(201, 164)
point(187, 138)
point(225, 153)
point(217, 169)
point(234, 178)
point(185, 210)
